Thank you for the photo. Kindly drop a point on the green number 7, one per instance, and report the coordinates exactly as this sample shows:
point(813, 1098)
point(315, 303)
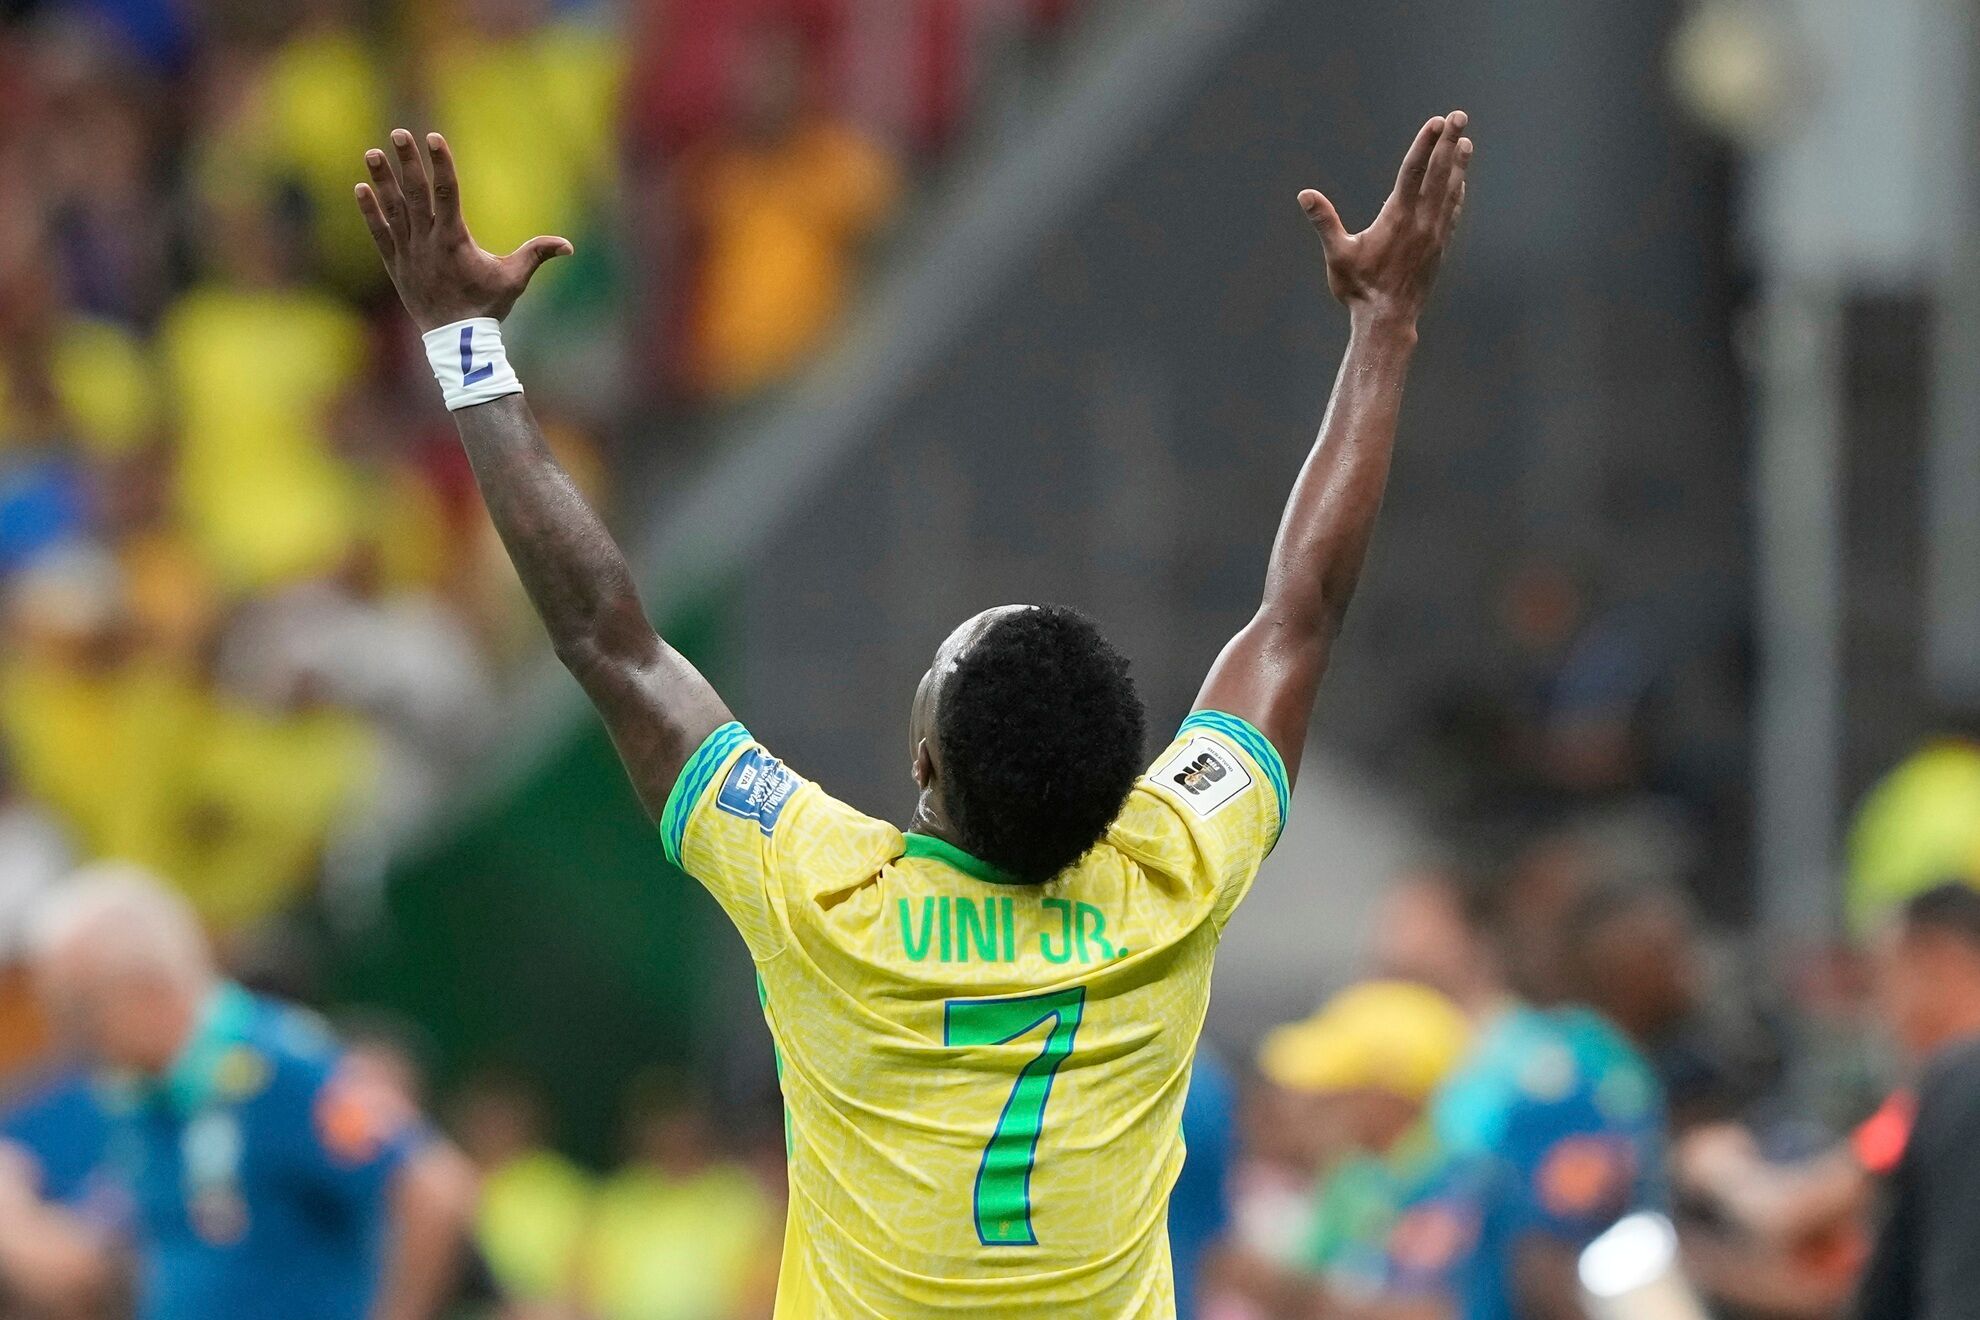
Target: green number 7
point(1003, 1179)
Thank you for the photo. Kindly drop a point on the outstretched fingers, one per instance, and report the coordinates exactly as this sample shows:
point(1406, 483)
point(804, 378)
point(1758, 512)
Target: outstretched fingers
point(1454, 202)
point(1438, 183)
point(446, 187)
point(385, 189)
point(1326, 220)
point(374, 220)
point(1409, 179)
point(413, 181)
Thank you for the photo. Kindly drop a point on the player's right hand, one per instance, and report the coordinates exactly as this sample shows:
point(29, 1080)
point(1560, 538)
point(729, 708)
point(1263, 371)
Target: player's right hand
point(1388, 268)
point(414, 215)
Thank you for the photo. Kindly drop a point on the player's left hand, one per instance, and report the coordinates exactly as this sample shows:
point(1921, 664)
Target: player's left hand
point(1388, 268)
point(415, 219)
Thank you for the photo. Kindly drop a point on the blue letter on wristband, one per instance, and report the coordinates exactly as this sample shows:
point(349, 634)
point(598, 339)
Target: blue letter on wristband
point(470, 373)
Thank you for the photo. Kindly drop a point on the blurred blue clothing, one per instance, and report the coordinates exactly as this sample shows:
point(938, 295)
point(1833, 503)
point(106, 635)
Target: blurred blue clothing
point(158, 33)
point(60, 1121)
point(1200, 1205)
point(43, 502)
point(1555, 1128)
point(260, 1171)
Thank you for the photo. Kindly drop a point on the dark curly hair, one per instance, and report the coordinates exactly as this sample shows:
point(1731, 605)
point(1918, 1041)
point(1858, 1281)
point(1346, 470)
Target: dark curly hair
point(1041, 734)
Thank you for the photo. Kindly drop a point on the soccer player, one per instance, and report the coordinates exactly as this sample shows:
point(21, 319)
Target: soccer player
point(985, 1021)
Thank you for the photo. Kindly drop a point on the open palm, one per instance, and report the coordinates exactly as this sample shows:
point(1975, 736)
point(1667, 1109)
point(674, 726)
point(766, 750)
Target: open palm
point(1392, 263)
point(414, 215)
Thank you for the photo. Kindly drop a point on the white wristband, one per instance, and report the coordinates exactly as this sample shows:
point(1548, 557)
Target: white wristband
point(469, 362)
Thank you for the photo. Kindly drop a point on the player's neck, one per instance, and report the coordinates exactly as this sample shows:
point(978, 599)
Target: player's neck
point(930, 819)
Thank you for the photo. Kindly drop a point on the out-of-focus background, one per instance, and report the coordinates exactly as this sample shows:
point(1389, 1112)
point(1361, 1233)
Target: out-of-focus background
point(887, 310)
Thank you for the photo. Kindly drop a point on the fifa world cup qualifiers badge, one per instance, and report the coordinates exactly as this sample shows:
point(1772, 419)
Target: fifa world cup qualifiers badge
point(757, 788)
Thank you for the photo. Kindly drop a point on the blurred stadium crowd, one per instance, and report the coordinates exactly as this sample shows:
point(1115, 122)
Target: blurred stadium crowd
point(254, 618)
point(253, 622)
point(253, 625)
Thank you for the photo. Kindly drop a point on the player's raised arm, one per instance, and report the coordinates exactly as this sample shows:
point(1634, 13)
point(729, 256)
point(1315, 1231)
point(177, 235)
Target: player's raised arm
point(1270, 672)
point(657, 707)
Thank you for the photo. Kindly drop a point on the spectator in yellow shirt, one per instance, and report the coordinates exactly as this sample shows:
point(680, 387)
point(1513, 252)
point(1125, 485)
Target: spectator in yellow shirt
point(255, 362)
point(229, 794)
point(65, 377)
point(285, 123)
point(679, 1233)
point(534, 1202)
point(533, 102)
point(100, 732)
point(778, 209)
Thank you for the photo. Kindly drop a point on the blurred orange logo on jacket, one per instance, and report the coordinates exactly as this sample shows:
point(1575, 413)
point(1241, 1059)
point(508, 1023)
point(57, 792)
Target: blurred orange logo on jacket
point(1585, 1175)
point(356, 1115)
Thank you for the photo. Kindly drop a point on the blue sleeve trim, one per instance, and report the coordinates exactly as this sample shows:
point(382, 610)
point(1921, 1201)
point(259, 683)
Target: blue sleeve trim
point(1253, 743)
point(715, 749)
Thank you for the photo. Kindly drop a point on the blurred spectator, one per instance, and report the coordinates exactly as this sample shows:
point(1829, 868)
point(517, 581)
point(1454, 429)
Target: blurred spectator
point(403, 683)
point(44, 500)
point(530, 98)
point(1282, 1157)
point(405, 662)
point(1917, 827)
point(385, 1051)
point(1790, 1236)
point(158, 32)
point(266, 1178)
point(55, 1136)
point(778, 208)
point(1423, 933)
point(231, 797)
point(272, 780)
point(98, 733)
point(535, 1204)
point(1553, 1127)
point(252, 625)
point(1587, 708)
point(1363, 1070)
point(1927, 1259)
point(678, 1233)
point(98, 168)
point(1635, 961)
point(255, 359)
point(70, 385)
point(284, 119)
point(683, 89)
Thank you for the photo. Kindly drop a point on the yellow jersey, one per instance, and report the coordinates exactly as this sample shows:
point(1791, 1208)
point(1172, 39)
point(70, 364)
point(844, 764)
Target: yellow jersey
point(983, 1080)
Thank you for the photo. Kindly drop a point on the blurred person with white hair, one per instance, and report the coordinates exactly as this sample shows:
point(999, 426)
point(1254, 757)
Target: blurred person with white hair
point(266, 1177)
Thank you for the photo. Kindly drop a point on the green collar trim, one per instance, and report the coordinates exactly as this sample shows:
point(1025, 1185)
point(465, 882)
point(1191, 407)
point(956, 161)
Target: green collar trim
point(223, 1024)
point(941, 850)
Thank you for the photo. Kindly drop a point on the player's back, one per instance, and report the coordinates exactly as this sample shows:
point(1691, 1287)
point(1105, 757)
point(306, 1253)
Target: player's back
point(984, 1079)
